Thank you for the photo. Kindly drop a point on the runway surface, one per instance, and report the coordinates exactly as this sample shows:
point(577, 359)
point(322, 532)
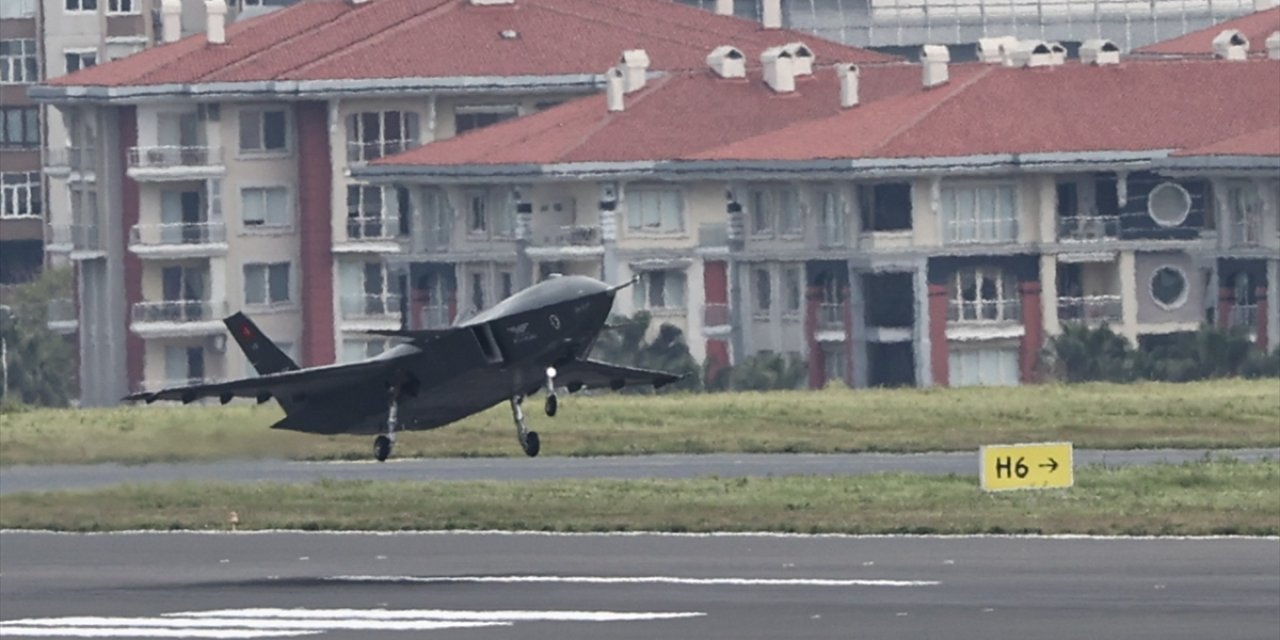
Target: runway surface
point(57, 477)
point(500, 586)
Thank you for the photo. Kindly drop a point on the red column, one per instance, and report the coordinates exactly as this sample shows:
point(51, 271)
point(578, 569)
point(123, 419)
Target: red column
point(817, 360)
point(130, 201)
point(1260, 328)
point(939, 349)
point(1226, 300)
point(846, 309)
point(715, 282)
point(717, 357)
point(315, 182)
point(1033, 330)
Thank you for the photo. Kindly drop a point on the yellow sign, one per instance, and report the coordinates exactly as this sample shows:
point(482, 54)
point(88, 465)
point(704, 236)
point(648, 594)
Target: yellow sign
point(1045, 465)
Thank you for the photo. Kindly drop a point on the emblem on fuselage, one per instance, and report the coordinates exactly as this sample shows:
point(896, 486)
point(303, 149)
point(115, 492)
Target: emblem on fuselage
point(555, 321)
point(520, 333)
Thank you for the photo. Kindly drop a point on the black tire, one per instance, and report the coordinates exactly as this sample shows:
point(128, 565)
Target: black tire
point(381, 448)
point(531, 444)
point(553, 404)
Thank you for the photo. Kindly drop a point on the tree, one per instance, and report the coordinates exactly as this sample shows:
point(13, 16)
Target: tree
point(625, 344)
point(766, 371)
point(39, 363)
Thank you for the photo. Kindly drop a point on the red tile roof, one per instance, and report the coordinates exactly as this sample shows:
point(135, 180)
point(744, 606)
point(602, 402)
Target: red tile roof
point(1255, 26)
point(389, 39)
point(1263, 142)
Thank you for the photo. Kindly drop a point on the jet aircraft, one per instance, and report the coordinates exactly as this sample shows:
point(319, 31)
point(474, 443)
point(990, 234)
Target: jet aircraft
point(537, 339)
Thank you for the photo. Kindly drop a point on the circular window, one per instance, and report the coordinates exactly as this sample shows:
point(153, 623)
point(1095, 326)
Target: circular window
point(1169, 287)
point(1168, 204)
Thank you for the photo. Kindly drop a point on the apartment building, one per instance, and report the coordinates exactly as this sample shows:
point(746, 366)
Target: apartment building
point(214, 173)
point(935, 229)
point(902, 26)
point(22, 209)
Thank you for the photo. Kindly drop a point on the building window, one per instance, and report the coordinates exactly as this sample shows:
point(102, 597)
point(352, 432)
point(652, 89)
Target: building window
point(468, 117)
point(1168, 204)
point(18, 62)
point(490, 212)
point(264, 130)
point(774, 209)
point(266, 284)
point(984, 294)
point(831, 227)
point(20, 127)
point(979, 214)
point(81, 5)
point(22, 195)
point(885, 207)
point(1244, 206)
point(507, 282)
point(762, 288)
point(265, 207)
point(792, 287)
point(375, 134)
point(77, 60)
point(983, 367)
point(1169, 287)
point(655, 210)
point(658, 290)
point(18, 9)
point(122, 6)
point(357, 350)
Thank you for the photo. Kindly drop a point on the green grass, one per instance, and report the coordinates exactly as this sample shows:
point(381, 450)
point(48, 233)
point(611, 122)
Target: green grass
point(1222, 497)
point(1225, 413)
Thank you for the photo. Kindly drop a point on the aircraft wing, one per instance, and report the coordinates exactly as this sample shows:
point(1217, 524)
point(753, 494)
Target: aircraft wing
point(602, 375)
point(286, 385)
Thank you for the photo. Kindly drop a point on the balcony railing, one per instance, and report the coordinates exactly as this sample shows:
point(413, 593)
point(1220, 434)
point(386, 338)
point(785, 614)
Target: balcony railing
point(571, 236)
point(831, 316)
point(715, 314)
point(371, 306)
point(183, 233)
point(980, 231)
point(1091, 310)
point(168, 157)
point(364, 151)
point(373, 228)
point(1088, 228)
point(1244, 316)
point(434, 317)
point(983, 311)
point(178, 311)
point(713, 234)
point(1247, 231)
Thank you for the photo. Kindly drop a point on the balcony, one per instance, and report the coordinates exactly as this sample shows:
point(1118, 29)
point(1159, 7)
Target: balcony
point(84, 241)
point(375, 234)
point(371, 311)
point(62, 317)
point(980, 231)
point(985, 319)
point(178, 240)
point(165, 163)
point(62, 162)
point(567, 241)
point(1091, 310)
point(361, 152)
point(178, 318)
point(831, 316)
point(434, 317)
point(1088, 228)
point(1246, 231)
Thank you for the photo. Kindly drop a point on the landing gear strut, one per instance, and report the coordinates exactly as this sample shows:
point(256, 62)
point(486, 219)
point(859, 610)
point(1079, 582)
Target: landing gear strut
point(528, 439)
point(383, 443)
point(552, 402)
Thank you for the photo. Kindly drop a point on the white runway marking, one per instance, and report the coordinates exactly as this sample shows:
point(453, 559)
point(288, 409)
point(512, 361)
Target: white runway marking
point(234, 624)
point(732, 582)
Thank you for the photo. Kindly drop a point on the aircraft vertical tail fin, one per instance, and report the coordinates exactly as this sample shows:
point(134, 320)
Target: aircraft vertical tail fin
point(262, 353)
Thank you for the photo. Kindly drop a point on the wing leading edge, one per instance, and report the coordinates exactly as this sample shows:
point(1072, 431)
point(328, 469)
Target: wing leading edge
point(285, 386)
point(594, 374)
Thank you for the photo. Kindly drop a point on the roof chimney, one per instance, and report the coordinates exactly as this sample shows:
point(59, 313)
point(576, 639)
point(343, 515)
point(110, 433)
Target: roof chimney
point(727, 62)
point(216, 21)
point(615, 88)
point(848, 74)
point(1099, 52)
point(635, 64)
point(934, 59)
point(724, 7)
point(1273, 45)
point(170, 20)
point(779, 72)
point(771, 14)
point(801, 58)
point(1033, 53)
point(1231, 45)
point(989, 49)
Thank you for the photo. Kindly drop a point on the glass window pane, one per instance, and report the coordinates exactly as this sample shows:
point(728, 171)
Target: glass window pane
point(255, 284)
point(250, 130)
point(274, 130)
point(279, 282)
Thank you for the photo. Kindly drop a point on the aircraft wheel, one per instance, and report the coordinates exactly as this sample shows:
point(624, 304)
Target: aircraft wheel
point(381, 448)
point(552, 405)
point(531, 444)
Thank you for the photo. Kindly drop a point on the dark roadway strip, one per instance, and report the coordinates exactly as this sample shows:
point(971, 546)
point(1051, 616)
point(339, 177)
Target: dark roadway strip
point(58, 477)
point(709, 587)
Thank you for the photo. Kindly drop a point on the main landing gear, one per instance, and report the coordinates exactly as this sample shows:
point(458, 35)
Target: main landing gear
point(528, 439)
point(383, 443)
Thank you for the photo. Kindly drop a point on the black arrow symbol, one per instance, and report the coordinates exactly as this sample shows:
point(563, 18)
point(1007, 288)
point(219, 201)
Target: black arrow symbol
point(1053, 465)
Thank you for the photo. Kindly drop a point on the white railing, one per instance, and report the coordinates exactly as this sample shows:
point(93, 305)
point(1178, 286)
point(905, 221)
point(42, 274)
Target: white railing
point(182, 233)
point(364, 151)
point(966, 311)
point(831, 316)
point(164, 157)
point(572, 236)
point(983, 230)
point(1091, 310)
point(370, 305)
point(373, 228)
point(715, 314)
point(178, 311)
point(1088, 228)
point(1244, 316)
point(434, 317)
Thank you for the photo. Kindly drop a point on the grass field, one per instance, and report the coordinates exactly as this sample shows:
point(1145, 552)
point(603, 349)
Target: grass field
point(1230, 413)
point(1200, 498)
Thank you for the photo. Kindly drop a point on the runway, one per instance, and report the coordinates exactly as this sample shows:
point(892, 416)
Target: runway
point(59, 477)
point(495, 585)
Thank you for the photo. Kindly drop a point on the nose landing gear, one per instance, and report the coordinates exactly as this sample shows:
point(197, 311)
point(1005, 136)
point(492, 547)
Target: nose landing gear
point(552, 403)
point(383, 443)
